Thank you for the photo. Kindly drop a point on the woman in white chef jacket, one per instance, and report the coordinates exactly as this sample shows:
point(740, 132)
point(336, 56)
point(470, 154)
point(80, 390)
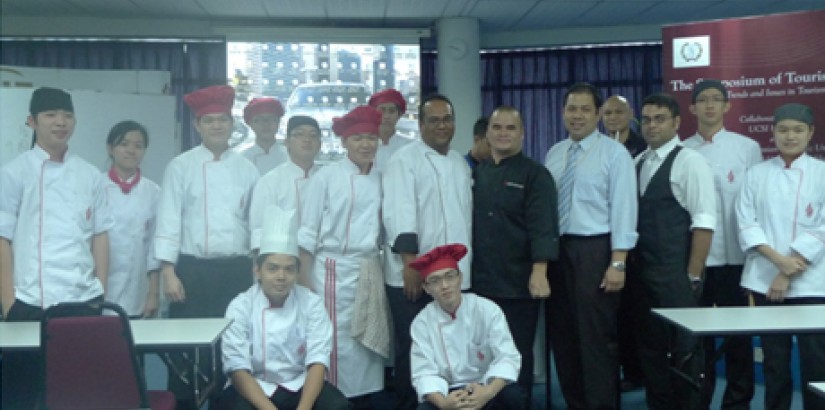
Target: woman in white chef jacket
point(782, 229)
point(340, 221)
point(133, 271)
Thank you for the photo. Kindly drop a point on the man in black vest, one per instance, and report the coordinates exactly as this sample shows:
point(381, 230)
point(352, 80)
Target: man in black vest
point(677, 208)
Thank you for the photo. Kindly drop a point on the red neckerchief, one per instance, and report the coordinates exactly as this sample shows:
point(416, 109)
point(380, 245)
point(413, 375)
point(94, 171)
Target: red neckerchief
point(125, 186)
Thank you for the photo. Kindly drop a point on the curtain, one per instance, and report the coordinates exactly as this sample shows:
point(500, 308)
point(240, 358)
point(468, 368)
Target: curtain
point(535, 82)
point(192, 65)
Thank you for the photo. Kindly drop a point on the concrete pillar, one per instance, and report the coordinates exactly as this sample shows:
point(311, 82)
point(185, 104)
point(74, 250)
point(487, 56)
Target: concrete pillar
point(459, 74)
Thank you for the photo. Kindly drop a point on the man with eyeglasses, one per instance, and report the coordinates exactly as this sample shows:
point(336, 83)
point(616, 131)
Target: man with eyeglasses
point(515, 233)
point(463, 356)
point(730, 155)
point(597, 203)
point(677, 216)
point(427, 203)
point(263, 115)
point(284, 185)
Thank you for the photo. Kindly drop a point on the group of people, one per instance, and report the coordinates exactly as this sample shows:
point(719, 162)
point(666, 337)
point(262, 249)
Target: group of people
point(407, 253)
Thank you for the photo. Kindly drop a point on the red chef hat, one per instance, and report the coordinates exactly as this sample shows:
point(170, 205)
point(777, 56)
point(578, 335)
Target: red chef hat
point(442, 257)
point(262, 105)
point(361, 120)
point(390, 95)
point(217, 99)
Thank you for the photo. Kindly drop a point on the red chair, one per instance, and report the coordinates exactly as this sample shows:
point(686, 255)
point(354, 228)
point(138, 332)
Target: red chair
point(89, 362)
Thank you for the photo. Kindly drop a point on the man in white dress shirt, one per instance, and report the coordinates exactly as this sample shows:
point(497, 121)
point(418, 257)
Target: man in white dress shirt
point(284, 185)
point(462, 356)
point(427, 203)
point(263, 115)
point(677, 216)
point(54, 244)
point(202, 235)
point(730, 155)
point(392, 106)
point(597, 223)
point(278, 345)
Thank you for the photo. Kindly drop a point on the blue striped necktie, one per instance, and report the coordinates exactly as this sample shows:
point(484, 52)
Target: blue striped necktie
point(566, 187)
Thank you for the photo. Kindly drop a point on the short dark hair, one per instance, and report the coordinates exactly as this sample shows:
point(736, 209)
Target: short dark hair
point(259, 260)
point(663, 100)
point(480, 127)
point(433, 97)
point(584, 88)
point(119, 131)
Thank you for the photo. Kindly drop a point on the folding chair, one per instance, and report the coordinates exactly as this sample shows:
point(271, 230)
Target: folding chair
point(89, 362)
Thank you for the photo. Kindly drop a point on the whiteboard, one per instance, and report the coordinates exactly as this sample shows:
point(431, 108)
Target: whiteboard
point(96, 113)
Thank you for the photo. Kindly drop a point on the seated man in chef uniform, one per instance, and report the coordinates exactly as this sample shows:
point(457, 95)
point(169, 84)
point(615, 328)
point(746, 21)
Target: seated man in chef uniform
point(463, 356)
point(277, 348)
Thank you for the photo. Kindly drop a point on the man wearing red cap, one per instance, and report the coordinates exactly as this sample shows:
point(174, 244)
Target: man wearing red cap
point(392, 106)
point(340, 223)
point(462, 356)
point(427, 203)
point(202, 236)
point(54, 223)
point(263, 115)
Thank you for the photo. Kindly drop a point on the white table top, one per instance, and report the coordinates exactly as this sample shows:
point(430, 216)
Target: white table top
point(151, 333)
point(818, 388)
point(747, 320)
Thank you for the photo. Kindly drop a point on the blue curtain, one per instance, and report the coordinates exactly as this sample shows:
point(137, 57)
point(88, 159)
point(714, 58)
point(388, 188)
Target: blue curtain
point(535, 82)
point(192, 65)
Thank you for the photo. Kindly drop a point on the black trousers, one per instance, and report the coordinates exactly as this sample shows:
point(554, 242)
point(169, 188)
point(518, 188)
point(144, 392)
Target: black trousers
point(628, 340)
point(22, 376)
point(662, 345)
point(522, 318)
point(403, 312)
point(583, 324)
point(511, 397)
point(329, 399)
point(210, 284)
point(777, 361)
point(721, 288)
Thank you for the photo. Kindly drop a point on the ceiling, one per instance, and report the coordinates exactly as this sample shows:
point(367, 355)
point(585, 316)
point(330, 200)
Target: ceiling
point(495, 16)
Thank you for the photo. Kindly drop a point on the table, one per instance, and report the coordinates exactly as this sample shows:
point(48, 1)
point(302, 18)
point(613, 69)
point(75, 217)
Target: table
point(818, 388)
point(151, 336)
point(727, 321)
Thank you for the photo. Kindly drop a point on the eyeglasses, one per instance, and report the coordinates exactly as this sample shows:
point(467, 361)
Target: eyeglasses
point(658, 120)
point(449, 277)
point(435, 121)
point(305, 135)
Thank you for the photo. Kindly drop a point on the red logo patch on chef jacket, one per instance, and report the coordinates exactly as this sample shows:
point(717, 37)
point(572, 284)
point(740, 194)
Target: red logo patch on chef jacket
point(730, 176)
point(809, 210)
point(480, 355)
point(302, 350)
point(89, 213)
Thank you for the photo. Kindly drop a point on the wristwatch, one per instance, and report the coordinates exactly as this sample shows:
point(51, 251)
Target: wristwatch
point(694, 279)
point(618, 265)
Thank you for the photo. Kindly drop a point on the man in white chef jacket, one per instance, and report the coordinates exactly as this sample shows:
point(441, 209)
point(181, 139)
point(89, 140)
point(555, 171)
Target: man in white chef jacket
point(202, 235)
point(462, 355)
point(427, 202)
point(277, 348)
point(392, 106)
point(263, 115)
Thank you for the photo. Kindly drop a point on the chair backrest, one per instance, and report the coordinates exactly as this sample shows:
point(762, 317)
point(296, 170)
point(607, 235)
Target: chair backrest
point(89, 361)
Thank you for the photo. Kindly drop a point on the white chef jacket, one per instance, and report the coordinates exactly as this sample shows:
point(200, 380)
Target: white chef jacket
point(729, 155)
point(386, 151)
point(276, 344)
point(283, 187)
point(428, 194)
point(340, 223)
point(49, 211)
point(473, 346)
point(131, 254)
point(782, 207)
point(204, 206)
point(691, 181)
point(605, 199)
point(266, 161)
